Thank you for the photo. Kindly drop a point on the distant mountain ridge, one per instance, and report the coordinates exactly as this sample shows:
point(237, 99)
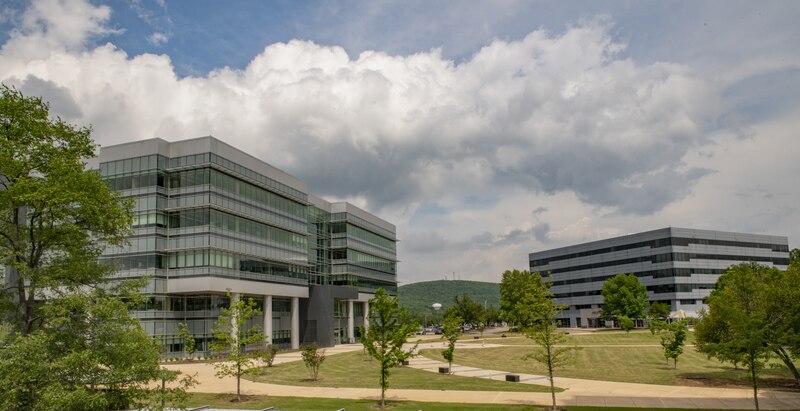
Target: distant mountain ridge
point(418, 297)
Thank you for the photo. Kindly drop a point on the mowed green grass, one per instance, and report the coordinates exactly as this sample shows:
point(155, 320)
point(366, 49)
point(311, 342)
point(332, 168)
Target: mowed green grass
point(327, 404)
point(614, 362)
point(359, 370)
point(611, 337)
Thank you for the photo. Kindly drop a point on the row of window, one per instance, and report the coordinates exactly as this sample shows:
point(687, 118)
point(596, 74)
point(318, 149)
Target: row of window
point(363, 283)
point(662, 242)
point(663, 273)
point(667, 257)
point(362, 272)
point(238, 245)
point(133, 165)
point(215, 218)
point(128, 182)
point(362, 234)
point(150, 203)
point(655, 289)
point(350, 218)
point(139, 245)
point(367, 260)
point(134, 262)
point(228, 202)
point(214, 258)
point(243, 189)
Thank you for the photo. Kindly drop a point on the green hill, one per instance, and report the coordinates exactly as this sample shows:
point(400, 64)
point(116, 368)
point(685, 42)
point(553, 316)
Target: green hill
point(418, 297)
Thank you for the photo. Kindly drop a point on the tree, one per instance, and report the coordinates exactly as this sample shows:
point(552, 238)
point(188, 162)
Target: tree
point(623, 295)
point(467, 309)
point(389, 328)
point(673, 338)
point(56, 218)
point(551, 350)
point(745, 322)
point(268, 355)
point(522, 296)
point(313, 358)
point(794, 256)
point(625, 323)
point(451, 330)
point(232, 336)
point(657, 316)
point(189, 344)
point(90, 354)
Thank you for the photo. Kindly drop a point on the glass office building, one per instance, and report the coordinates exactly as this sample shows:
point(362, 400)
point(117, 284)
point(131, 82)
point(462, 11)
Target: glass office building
point(210, 218)
point(679, 267)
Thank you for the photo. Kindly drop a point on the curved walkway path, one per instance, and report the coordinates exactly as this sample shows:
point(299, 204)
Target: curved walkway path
point(577, 391)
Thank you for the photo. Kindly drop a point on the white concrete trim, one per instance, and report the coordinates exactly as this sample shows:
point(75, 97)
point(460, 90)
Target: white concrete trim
point(221, 285)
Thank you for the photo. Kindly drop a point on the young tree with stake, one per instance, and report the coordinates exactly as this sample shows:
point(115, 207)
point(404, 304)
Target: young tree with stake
point(232, 336)
point(390, 325)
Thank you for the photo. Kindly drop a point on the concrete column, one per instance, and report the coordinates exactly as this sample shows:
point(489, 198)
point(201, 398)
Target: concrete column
point(268, 318)
point(234, 330)
point(351, 336)
point(366, 315)
point(295, 323)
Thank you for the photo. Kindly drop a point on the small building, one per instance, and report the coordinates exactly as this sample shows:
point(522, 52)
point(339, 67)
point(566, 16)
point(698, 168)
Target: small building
point(679, 267)
point(209, 218)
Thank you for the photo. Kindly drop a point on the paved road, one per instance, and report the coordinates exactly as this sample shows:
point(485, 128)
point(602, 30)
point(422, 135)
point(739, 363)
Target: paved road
point(577, 391)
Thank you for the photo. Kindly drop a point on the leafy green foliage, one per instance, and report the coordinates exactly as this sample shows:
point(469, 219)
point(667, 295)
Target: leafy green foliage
point(75, 345)
point(451, 330)
point(673, 338)
point(55, 216)
point(390, 325)
point(551, 350)
point(625, 323)
point(623, 295)
point(90, 355)
point(657, 316)
point(417, 298)
point(469, 311)
point(751, 315)
point(189, 344)
point(233, 337)
point(523, 297)
point(313, 358)
point(268, 355)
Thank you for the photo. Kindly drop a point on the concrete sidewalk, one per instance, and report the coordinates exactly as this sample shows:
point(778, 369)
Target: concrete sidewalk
point(577, 391)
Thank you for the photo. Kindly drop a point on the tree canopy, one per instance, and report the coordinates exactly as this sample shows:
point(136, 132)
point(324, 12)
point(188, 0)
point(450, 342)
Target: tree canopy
point(468, 310)
point(523, 296)
point(73, 343)
point(623, 295)
point(752, 315)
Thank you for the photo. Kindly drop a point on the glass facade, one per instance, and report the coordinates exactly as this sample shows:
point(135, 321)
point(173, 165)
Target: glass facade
point(203, 215)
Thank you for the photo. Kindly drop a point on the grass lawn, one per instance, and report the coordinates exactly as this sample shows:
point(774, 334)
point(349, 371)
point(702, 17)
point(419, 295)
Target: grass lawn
point(359, 370)
point(313, 404)
point(642, 364)
point(611, 337)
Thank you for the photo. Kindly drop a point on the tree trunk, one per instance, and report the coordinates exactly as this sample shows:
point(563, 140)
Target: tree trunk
point(789, 363)
point(755, 381)
point(238, 382)
point(383, 386)
point(550, 373)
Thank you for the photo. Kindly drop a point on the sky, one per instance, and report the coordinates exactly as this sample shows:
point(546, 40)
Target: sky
point(484, 130)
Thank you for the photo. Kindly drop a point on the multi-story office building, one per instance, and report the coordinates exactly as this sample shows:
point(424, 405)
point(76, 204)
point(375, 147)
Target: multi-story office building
point(678, 266)
point(209, 218)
